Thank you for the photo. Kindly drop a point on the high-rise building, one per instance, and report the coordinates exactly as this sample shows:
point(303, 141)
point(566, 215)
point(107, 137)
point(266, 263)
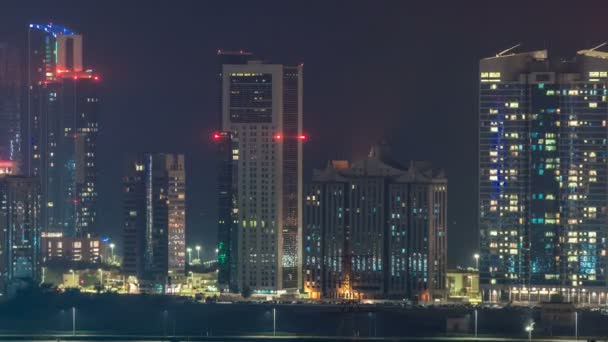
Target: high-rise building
point(227, 215)
point(11, 91)
point(60, 130)
point(154, 217)
point(376, 229)
point(20, 229)
point(176, 196)
point(543, 197)
point(260, 146)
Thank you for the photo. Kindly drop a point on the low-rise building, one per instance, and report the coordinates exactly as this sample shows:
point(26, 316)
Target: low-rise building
point(463, 285)
point(56, 246)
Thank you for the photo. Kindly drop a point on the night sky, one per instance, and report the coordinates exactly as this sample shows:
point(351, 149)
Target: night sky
point(373, 70)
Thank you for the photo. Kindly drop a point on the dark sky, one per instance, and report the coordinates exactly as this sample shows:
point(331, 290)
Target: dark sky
point(374, 69)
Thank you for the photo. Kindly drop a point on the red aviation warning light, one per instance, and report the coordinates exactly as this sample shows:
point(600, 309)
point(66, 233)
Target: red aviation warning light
point(217, 136)
point(278, 136)
point(96, 78)
point(302, 137)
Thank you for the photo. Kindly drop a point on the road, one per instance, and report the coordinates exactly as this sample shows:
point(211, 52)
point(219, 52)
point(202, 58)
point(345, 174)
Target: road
point(253, 338)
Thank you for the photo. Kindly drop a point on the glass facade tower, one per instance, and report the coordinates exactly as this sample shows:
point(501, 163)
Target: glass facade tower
point(11, 94)
point(19, 232)
point(542, 184)
point(60, 130)
point(154, 217)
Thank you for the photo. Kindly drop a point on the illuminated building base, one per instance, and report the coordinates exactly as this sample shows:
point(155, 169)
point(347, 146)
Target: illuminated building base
point(584, 296)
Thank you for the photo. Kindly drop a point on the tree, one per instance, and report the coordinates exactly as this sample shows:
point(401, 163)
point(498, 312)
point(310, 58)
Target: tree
point(246, 293)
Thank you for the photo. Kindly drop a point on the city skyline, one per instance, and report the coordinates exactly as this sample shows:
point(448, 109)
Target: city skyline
point(342, 62)
point(363, 170)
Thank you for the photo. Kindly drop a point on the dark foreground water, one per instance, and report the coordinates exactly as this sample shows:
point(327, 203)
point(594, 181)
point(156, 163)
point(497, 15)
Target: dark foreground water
point(162, 316)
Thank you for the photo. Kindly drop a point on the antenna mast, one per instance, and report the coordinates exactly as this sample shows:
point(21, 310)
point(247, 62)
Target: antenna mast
point(509, 49)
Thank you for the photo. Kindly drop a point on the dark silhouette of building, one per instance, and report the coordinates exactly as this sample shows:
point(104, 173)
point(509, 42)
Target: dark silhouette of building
point(226, 230)
point(11, 95)
point(376, 229)
point(20, 228)
point(60, 129)
point(154, 217)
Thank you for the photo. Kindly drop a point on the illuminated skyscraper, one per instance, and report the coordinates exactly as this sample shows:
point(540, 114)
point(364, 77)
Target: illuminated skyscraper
point(61, 128)
point(11, 94)
point(543, 194)
point(19, 230)
point(176, 196)
point(262, 125)
point(227, 230)
point(155, 217)
point(376, 229)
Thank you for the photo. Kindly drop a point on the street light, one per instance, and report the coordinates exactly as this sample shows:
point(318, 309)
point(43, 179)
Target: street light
point(189, 255)
point(475, 322)
point(372, 323)
point(198, 253)
point(476, 256)
point(529, 329)
point(576, 325)
point(112, 245)
point(73, 321)
point(274, 322)
point(165, 314)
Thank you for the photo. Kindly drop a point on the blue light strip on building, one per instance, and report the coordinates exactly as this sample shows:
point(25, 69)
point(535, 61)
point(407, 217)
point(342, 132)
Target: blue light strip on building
point(52, 29)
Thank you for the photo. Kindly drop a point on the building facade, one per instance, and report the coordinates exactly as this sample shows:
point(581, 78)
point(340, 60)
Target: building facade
point(176, 212)
point(60, 129)
point(463, 285)
point(227, 216)
point(261, 205)
point(56, 247)
point(543, 173)
point(11, 96)
point(376, 229)
point(20, 228)
point(154, 217)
